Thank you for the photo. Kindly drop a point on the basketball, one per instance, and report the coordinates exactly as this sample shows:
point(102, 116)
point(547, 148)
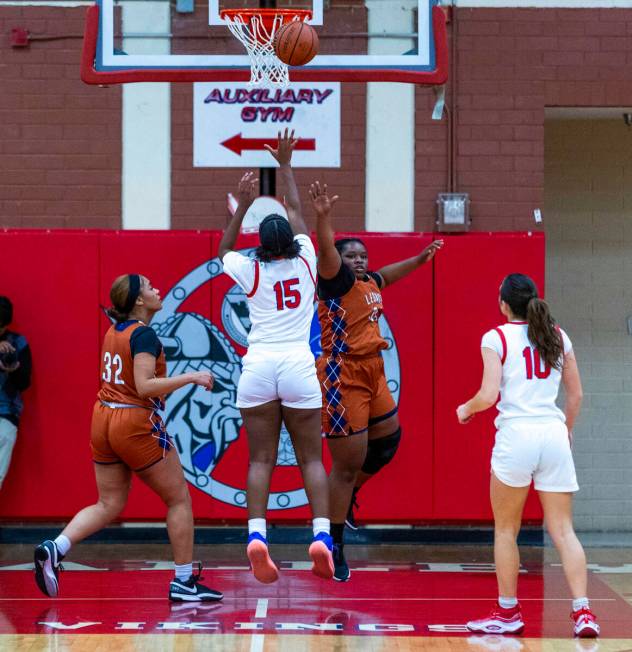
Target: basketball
point(296, 43)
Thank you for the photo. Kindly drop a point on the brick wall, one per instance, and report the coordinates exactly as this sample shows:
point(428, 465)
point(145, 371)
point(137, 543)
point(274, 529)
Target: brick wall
point(509, 65)
point(60, 148)
point(588, 222)
point(199, 194)
point(60, 140)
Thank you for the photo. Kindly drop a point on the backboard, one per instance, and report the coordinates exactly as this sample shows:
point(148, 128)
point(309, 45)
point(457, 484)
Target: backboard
point(155, 40)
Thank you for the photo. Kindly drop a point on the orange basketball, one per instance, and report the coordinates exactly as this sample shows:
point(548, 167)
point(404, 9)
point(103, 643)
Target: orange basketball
point(296, 43)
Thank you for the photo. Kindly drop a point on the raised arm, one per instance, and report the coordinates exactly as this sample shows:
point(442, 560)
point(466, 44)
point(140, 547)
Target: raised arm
point(395, 271)
point(490, 386)
point(572, 390)
point(329, 260)
point(283, 155)
point(246, 194)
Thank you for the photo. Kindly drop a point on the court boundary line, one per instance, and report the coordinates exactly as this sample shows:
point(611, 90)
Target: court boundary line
point(302, 599)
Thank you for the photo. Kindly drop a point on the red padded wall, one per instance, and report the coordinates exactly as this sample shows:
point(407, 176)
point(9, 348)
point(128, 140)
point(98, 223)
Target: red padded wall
point(52, 280)
point(468, 274)
point(437, 315)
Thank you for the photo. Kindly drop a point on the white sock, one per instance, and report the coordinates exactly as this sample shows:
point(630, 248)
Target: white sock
point(580, 603)
point(320, 525)
point(257, 525)
point(183, 571)
point(63, 544)
point(507, 603)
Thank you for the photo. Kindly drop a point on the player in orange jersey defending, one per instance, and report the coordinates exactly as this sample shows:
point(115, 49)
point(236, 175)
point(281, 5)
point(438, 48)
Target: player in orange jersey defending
point(525, 360)
point(359, 415)
point(128, 436)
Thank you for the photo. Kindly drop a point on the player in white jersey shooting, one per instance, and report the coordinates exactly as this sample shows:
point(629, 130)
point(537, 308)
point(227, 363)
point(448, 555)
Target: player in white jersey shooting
point(525, 360)
point(278, 381)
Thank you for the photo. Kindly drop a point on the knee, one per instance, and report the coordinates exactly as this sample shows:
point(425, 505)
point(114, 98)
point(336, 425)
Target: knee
point(506, 532)
point(345, 474)
point(179, 498)
point(113, 505)
point(560, 532)
point(381, 451)
point(263, 461)
point(305, 460)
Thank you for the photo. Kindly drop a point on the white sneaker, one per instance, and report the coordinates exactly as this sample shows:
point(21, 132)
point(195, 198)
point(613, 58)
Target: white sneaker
point(499, 621)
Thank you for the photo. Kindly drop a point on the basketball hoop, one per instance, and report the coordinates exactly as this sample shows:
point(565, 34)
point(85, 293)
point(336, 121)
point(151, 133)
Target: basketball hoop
point(256, 29)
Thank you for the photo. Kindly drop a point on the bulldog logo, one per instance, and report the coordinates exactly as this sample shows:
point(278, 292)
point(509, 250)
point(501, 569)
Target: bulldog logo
point(204, 424)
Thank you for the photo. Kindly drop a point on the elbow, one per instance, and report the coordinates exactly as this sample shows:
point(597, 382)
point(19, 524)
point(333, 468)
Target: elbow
point(576, 397)
point(488, 398)
point(143, 392)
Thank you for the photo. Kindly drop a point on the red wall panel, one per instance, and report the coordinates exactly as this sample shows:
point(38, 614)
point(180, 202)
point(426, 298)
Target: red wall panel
point(436, 317)
point(52, 279)
point(468, 274)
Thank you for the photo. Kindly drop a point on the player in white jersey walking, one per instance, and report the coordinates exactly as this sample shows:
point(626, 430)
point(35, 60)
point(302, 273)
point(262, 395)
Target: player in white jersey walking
point(278, 380)
point(526, 359)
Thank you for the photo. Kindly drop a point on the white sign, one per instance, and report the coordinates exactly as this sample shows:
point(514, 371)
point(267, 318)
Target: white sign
point(231, 124)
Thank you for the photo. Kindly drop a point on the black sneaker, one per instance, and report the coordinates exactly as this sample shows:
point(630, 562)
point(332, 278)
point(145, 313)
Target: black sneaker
point(341, 568)
point(47, 566)
point(192, 590)
point(350, 521)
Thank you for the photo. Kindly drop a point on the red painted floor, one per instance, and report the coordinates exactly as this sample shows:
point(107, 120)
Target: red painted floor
point(398, 599)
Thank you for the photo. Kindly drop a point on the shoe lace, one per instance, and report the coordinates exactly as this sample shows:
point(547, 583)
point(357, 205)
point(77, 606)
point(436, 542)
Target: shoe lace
point(196, 577)
point(583, 613)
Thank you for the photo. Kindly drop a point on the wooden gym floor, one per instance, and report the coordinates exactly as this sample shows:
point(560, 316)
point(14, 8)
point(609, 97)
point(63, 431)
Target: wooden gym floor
point(404, 598)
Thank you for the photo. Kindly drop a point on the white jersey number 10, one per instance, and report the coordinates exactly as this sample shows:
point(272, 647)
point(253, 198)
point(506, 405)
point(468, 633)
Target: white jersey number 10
point(534, 364)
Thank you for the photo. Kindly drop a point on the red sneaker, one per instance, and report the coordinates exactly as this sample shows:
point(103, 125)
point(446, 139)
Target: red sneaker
point(585, 623)
point(499, 621)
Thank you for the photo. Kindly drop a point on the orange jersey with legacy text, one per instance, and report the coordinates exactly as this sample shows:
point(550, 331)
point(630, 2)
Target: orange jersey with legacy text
point(117, 368)
point(349, 324)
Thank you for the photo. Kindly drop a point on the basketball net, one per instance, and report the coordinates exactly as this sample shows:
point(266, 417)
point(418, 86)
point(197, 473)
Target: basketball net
point(256, 31)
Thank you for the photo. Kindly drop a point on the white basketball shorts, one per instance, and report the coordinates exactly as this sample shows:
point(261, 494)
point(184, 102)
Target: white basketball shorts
point(288, 376)
point(534, 449)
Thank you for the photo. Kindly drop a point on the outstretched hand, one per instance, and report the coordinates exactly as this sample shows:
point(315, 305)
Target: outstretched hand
point(285, 147)
point(429, 252)
point(321, 201)
point(247, 189)
point(203, 379)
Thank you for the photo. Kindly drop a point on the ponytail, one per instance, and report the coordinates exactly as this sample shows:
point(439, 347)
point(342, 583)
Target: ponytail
point(123, 294)
point(117, 316)
point(520, 293)
point(544, 334)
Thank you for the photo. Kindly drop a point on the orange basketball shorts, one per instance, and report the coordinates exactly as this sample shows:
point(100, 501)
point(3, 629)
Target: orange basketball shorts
point(355, 394)
point(135, 436)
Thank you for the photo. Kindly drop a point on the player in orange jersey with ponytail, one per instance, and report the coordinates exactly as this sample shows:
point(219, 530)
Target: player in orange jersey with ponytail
point(128, 436)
